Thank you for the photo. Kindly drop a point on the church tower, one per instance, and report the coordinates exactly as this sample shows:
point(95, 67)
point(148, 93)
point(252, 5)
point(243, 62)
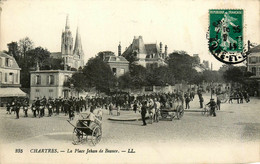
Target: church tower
point(78, 51)
point(67, 44)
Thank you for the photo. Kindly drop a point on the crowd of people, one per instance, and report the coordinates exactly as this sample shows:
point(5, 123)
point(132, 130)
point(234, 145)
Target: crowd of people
point(140, 103)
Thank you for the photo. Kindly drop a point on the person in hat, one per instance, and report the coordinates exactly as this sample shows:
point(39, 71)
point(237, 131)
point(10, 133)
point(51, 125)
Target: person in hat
point(212, 104)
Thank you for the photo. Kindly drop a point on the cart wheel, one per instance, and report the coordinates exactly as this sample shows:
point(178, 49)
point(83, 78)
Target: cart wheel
point(180, 111)
point(77, 136)
point(164, 115)
point(96, 135)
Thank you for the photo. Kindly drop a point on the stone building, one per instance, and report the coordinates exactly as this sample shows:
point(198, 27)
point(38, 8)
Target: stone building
point(253, 61)
point(253, 66)
point(9, 79)
point(146, 54)
point(118, 64)
point(50, 83)
point(73, 56)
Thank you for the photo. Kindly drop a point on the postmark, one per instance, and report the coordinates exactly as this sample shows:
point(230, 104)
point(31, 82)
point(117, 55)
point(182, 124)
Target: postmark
point(226, 35)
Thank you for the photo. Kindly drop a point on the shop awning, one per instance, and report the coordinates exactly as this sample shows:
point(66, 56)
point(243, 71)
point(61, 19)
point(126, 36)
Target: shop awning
point(11, 92)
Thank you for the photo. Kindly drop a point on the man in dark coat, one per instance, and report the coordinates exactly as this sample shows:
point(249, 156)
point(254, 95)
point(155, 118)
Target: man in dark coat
point(17, 108)
point(143, 112)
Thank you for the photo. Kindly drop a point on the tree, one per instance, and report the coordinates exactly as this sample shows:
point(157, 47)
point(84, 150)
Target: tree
point(98, 74)
point(210, 76)
point(25, 45)
point(38, 55)
point(13, 50)
point(159, 76)
point(237, 74)
point(181, 66)
point(78, 80)
point(131, 57)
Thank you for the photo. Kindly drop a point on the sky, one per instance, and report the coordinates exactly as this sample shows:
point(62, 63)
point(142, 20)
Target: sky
point(181, 25)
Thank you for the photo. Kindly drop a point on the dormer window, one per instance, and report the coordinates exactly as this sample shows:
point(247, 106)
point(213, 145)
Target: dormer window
point(8, 62)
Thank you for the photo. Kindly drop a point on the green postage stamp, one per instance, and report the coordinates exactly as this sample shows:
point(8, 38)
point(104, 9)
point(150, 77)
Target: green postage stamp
point(226, 35)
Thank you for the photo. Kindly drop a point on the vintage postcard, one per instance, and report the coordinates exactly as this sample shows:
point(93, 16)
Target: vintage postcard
point(135, 81)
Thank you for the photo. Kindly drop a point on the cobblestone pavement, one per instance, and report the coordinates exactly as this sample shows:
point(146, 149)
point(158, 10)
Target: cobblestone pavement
point(235, 130)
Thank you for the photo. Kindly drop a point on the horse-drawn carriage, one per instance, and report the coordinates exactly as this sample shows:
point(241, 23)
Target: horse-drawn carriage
point(87, 129)
point(167, 110)
point(173, 111)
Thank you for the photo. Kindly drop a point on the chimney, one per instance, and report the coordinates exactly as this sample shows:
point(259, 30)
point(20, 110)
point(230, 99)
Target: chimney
point(160, 47)
point(211, 67)
point(37, 66)
point(165, 51)
point(119, 49)
point(248, 45)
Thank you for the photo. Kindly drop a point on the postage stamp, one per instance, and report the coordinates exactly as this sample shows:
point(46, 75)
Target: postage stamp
point(226, 35)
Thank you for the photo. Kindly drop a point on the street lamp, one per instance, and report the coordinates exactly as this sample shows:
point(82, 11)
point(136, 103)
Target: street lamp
point(211, 88)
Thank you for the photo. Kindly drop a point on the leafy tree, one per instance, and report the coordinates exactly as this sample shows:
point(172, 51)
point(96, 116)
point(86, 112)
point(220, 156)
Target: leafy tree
point(135, 78)
point(181, 66)
point(159, 76)
point(210, 76)
point(98, 74)
point(78, 80)
point(13, 50)
point(131, 57)
point(25, 45)
point(39, 55)
point(234, 74)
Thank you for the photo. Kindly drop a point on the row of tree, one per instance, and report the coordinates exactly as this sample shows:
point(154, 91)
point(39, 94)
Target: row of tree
point(180, 68)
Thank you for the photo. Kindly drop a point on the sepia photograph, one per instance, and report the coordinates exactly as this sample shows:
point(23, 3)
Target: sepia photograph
point(134, 81)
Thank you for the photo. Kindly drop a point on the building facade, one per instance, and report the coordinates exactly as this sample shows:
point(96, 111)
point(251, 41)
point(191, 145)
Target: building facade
point(253, 66)
point(50, 83)
point(118, 64)
point(72, 55)
point(253, 62)
point(146, 54)
point(9, 78)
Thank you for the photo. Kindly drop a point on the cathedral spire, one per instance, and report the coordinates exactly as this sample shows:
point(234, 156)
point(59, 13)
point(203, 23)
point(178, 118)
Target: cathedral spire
point(67, 26)
point(78, 47)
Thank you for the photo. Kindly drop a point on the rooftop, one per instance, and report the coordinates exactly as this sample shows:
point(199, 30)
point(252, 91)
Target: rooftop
point(255, 49)
point(14, 64)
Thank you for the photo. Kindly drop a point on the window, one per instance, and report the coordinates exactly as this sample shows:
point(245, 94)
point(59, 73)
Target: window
point(11, 78)
point(252, 59)
point(37, 92)
point(66, 78)
point(122, 71)
point(17, 77)
point(6, 62)
point(38, 79)
point(114, 71)
point(0, 77)
point(50, 79)
point(6, 77)
point(254, 70)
